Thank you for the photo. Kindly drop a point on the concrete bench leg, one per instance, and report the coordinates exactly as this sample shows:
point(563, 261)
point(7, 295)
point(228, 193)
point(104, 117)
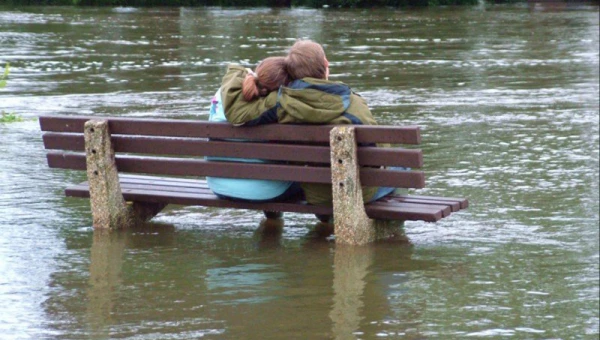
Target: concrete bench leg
point(351, 223)
point(109, 210)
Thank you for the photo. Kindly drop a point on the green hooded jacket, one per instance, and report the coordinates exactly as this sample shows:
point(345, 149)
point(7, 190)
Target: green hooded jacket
point(307, 100)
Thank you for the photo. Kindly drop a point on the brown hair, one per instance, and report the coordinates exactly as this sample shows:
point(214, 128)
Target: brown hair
point(306, 58)
point(270, 74)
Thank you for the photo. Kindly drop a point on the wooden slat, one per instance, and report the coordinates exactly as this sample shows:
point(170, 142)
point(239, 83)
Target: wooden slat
point(209, 200)
point(203, 129)
point(445, 209)
point(131, 185)
point(176, 184)
point(182, 183)
point(195, 167)
point(427, 206)
point(154, 193)
point(64, 141)
point(369, 156)
point(463, 202)
point(453, 205)
point(165, 187)
point(173, 181)
point(405, 212)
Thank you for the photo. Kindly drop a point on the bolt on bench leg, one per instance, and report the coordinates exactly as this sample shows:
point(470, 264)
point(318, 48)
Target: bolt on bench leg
point(109, 210)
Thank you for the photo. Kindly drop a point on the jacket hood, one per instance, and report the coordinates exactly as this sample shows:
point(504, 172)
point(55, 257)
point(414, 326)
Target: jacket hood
point(313, 101)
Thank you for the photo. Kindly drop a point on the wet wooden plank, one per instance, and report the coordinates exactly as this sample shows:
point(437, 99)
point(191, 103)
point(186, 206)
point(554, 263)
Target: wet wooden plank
point(201, 196)
point(171, 184)
point(428, 207)
point(405, 212)
point(453, 205)
point(463, 202)
point(174, 184)
point(202, 199)
point(196, 167)
point(368, 156)
point(204, 129)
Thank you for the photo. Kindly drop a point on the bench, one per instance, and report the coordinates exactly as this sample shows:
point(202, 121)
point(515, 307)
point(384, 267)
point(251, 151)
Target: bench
point(135, 167)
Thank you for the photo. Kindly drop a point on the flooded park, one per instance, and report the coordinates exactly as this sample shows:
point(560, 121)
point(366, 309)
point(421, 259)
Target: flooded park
point(507, 99)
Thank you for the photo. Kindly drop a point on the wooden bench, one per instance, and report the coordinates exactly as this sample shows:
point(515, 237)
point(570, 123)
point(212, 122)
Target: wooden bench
point(135, 167)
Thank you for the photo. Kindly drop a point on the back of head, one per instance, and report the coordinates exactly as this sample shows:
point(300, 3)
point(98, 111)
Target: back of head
point(306, 59)
point(270, 74)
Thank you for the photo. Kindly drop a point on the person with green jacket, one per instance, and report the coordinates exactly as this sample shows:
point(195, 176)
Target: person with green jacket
point(270, 74)
point(310, 98)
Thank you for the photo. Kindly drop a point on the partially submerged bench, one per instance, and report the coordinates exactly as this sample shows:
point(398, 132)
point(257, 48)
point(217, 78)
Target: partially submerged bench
point(135, 167)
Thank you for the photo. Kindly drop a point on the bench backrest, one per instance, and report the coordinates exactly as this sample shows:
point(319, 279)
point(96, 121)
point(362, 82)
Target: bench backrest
point(177, 148)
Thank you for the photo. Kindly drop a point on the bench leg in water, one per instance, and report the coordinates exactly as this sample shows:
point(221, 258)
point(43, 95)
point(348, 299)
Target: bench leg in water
point(389, 230)
point(109, 209)
point(273, 214)
point(351, 223)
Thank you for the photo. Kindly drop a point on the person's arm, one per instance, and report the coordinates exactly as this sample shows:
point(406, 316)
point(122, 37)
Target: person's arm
point(358, 107)
point(238, 111)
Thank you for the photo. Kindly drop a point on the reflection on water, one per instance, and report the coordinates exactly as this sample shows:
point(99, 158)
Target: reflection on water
point(507, 99)
point(105, 278)
point(350, 266)
point(197, 284)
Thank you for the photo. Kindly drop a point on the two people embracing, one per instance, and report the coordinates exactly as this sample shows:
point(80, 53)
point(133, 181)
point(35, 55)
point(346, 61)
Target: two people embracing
point(294, 89)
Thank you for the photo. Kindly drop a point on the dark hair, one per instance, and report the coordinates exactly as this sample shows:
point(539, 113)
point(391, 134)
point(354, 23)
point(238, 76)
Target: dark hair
point(306, 58)
point(270, 74)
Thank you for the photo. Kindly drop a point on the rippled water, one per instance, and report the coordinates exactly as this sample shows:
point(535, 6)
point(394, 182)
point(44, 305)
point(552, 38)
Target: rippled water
point(507, 99)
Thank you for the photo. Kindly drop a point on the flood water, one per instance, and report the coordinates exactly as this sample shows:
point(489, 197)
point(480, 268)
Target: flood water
point(507, 99)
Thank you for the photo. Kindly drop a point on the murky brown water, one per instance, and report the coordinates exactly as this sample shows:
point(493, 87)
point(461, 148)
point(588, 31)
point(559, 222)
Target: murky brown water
point(507, 98)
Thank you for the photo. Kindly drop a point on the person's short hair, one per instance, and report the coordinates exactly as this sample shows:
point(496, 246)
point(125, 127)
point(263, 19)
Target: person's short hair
point(306, 58)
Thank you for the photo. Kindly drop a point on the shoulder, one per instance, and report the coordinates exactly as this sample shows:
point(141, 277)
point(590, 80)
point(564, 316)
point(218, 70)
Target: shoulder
point(318, 81)
point(235, 67)
point(327, 86)
point(233, 78)
point(236, 70)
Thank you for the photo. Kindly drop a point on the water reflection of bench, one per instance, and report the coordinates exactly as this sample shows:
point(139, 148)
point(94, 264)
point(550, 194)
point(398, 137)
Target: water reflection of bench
point(303, 153)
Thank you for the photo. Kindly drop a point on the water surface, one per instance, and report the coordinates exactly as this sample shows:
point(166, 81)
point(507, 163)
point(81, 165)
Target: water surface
point(507, 100)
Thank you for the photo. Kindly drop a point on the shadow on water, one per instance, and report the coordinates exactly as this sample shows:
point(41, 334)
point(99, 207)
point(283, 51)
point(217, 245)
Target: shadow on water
point(155, 280)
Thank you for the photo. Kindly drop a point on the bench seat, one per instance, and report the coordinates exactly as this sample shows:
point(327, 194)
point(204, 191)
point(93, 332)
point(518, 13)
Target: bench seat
point(183, 191)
